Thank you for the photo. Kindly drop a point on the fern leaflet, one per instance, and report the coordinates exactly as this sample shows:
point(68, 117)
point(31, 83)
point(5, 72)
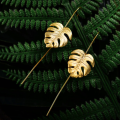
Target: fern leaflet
point(52, 81)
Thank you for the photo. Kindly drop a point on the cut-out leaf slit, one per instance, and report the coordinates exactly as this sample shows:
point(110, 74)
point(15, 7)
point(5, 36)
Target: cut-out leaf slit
point(58, 33)
point(81, 61)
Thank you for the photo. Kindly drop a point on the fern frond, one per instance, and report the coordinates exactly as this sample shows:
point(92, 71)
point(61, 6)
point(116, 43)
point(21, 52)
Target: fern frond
point(116, 86)
point(34, 51)
point(104, 22)
point(86, 7)
point(52, 81)
point(32, 3)
point(34, 18)
point(110, 57)
point(102, 109)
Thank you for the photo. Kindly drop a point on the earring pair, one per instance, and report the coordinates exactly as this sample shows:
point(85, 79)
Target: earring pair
point(76, 62)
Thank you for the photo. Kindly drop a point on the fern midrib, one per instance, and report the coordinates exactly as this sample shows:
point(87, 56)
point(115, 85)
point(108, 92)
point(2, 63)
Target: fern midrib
point(21, 53)
point(103, 21)
point(103, 77)
point(43, 81)
point(39, 51)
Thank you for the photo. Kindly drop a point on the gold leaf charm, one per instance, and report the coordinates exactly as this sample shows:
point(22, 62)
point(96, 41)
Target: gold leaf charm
point(53, 34)
point(75, 65)
point(79, 61)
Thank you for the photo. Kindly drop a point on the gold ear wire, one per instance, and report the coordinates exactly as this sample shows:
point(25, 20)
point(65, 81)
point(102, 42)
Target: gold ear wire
point(47, 51)
point(68, 79)
point(35, 66)
point(91, 43)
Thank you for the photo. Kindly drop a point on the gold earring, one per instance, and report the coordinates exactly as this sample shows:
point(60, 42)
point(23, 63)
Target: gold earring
point(74, 66)
point(51, 38)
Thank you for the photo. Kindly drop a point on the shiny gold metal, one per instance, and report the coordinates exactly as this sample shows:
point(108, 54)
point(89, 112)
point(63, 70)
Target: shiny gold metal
point(78, 62)
point(53, 34)
point(51, 38)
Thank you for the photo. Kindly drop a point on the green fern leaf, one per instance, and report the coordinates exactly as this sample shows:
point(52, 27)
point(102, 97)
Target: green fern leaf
point(35, 87)
point(53, 57)
point(26, 85)
point(28, 3)
point(32, 60)
point(74, 86)
point(3, 1)
point(38, 12)
point(27, 13)
point(43, 12)
point(43, 25)
point(18, 81)
point(110, 58)
point(4, 21)
point(106, 26)
point(27, 24)
point(115, 86)
point(32, 24)
point(7, 2)
point(39, 4)
point(34, 3)
point(45, 78)
point(22, 3)
point(22, 23)
point(17, 3)
point(91, 7)
point(49, 3)
point(58, 78)
point(37, 24)
point(22, 13)
point(13, 23)
point(33, 12)
point(30, 86)
point(86, 8)
point(16, 13)
point(17, 23)
point(6, 13)
point(44, 3)
point(105, 109)
point(8, 22)
point(12, 2)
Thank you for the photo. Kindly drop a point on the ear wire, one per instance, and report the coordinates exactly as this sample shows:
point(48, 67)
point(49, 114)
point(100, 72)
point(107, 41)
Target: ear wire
point(35, 66)
point(67, 80)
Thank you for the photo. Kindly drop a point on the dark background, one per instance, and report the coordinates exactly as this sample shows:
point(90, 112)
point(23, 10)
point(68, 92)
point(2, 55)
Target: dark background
point(18, 103)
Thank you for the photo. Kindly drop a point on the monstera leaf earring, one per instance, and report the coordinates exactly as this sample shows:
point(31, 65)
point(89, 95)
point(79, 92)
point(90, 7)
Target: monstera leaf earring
point(75, 65)
point(51, 38)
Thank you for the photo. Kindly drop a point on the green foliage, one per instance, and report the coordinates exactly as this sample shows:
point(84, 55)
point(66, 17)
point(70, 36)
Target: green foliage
point(116, 86)
point(51, 81)
point(38, 18)
point(99, 109)
point(104, 22)
point(32, 3)
point(110, 57)
point(86, 8)
point(34, 51)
